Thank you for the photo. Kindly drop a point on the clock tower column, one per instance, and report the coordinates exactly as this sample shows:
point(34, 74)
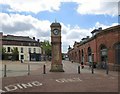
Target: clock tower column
point(56, 65)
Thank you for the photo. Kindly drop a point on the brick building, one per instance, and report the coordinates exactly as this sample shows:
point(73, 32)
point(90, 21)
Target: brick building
point(28, 49)
point(102, 48)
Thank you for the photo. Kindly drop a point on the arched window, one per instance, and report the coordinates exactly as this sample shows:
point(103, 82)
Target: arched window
point(79, 56)
point(75, 56)
point(89, 55)
point(103, 56)
point(103, 50)
point(117, 53)
point(82, 58)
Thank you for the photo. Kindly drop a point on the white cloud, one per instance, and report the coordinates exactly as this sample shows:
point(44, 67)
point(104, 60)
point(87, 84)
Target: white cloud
point(24, 25)
point(34, 6)
point(96, 7)
point(98, 24)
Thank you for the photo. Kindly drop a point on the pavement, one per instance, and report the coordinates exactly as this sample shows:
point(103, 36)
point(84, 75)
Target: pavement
point(68, 81)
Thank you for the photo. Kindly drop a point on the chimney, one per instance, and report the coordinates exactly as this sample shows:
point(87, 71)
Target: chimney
point(38, 40)
point(1, 33)
point(100, 28)
point(34, 38)
point(87, 37)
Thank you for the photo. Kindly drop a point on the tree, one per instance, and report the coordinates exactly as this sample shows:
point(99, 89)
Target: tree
point(15, 53)
point(3, 55)
point(46, 47)
point(3, 50)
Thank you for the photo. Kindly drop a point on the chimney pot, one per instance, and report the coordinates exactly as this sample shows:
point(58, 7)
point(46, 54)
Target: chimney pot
point(38, 40)
point(34, 38)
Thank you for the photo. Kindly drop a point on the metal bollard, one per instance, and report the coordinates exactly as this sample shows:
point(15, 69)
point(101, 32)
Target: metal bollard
point(28, 69)
point(107, 69)
point(78, 69)
point(92, 69)
point(44, 69)
point(5, 67)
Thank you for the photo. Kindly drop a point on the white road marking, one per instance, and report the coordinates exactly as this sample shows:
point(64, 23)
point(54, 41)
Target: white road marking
point(65, 80)
point(21, 86)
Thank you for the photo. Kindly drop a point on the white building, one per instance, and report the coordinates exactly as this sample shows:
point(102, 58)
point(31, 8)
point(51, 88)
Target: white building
point(28, 49)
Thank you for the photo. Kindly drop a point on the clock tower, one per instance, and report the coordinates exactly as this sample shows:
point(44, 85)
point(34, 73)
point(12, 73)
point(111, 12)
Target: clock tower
point(56, 65)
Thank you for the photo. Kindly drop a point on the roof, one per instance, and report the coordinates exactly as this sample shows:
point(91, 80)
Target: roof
point(95, 30)
point(18, 38)
point(55, 24)
point(107, 30)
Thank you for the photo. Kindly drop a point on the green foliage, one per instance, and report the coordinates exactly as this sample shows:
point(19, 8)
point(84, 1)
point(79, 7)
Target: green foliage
point(14, 50)
point(14, 53)
point(63, 56)
point(46, 46)
point(8, 56)
point(3, 50)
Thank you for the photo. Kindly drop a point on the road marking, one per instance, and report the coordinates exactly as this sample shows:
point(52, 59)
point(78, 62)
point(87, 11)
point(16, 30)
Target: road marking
point(22, 86)
point(66, 80)
point(1, 91)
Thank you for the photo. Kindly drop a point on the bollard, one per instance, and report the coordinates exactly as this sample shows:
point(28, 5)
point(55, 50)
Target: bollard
point(107, 69)
point(78, 69)
point(92, 68)
point(5, 71)
point(72, 61)
point(28, 69)
point(44, 69)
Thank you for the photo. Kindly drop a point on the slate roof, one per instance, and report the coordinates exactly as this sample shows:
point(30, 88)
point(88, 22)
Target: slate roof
point(18, 38)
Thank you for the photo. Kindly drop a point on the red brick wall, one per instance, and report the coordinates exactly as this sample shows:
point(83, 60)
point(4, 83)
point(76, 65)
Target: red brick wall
point(108, 37)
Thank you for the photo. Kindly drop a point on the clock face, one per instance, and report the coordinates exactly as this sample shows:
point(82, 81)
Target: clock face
point(56, 31)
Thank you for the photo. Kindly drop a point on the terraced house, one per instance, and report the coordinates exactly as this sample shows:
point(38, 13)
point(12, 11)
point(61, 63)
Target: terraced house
point(21, 48)
point(102, 48)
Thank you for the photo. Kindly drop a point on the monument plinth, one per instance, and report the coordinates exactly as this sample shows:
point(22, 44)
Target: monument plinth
point(56, 65)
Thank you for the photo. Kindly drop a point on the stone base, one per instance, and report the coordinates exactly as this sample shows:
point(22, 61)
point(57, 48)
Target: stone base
point(57, 68)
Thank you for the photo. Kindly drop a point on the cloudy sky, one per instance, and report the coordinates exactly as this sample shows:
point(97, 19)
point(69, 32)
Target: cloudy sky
point(77, 17)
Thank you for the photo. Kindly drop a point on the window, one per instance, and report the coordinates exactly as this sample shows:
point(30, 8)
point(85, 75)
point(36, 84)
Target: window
point(8, 49)
point(29, 50)
point(34, 50)
point(22, 44)
point(29, 44)
point(21, 50)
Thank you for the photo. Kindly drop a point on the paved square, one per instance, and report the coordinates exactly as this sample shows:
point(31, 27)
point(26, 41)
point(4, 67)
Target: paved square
point(68, 81)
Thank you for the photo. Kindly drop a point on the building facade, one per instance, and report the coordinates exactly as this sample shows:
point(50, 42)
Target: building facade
point(28, 49)
point(102, 48)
